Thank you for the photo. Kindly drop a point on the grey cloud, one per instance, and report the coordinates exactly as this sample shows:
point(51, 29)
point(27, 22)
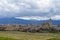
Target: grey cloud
point(13, 8)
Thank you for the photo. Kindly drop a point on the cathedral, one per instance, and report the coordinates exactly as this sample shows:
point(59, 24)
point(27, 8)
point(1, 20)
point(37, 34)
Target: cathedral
point(48, 25)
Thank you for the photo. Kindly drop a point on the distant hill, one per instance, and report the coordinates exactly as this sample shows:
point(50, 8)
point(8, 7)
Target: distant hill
point(21, 21)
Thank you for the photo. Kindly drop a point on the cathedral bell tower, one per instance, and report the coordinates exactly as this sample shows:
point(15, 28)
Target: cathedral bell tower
point(50, 22)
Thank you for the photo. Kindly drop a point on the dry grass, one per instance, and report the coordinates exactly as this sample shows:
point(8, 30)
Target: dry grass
point(27, 35)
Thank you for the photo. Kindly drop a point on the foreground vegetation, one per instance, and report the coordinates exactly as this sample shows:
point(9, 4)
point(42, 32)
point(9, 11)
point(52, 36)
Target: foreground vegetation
point(4, 38)
point(16, 35)
point(53, 39)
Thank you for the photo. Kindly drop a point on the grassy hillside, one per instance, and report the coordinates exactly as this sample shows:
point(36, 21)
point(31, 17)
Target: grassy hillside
point(15, 35)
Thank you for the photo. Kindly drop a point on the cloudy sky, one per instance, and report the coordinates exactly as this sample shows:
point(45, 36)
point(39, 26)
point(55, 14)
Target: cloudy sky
point(30, 9)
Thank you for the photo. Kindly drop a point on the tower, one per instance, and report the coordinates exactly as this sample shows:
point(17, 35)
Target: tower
point(50, 22)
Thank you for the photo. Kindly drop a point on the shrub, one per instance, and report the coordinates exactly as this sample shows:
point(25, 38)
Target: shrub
point(3, 38)
point(53, 39)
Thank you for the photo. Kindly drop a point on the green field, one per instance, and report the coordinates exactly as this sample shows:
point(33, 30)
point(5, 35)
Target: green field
point(15, 35)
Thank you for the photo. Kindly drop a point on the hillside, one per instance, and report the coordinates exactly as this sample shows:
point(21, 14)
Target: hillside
point(21, 21)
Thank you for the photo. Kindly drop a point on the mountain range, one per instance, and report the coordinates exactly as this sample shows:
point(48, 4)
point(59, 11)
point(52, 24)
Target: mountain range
point(22, 21)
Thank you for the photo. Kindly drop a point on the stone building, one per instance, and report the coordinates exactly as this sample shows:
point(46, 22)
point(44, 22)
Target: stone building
point(50, 23)
point(45, 25)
